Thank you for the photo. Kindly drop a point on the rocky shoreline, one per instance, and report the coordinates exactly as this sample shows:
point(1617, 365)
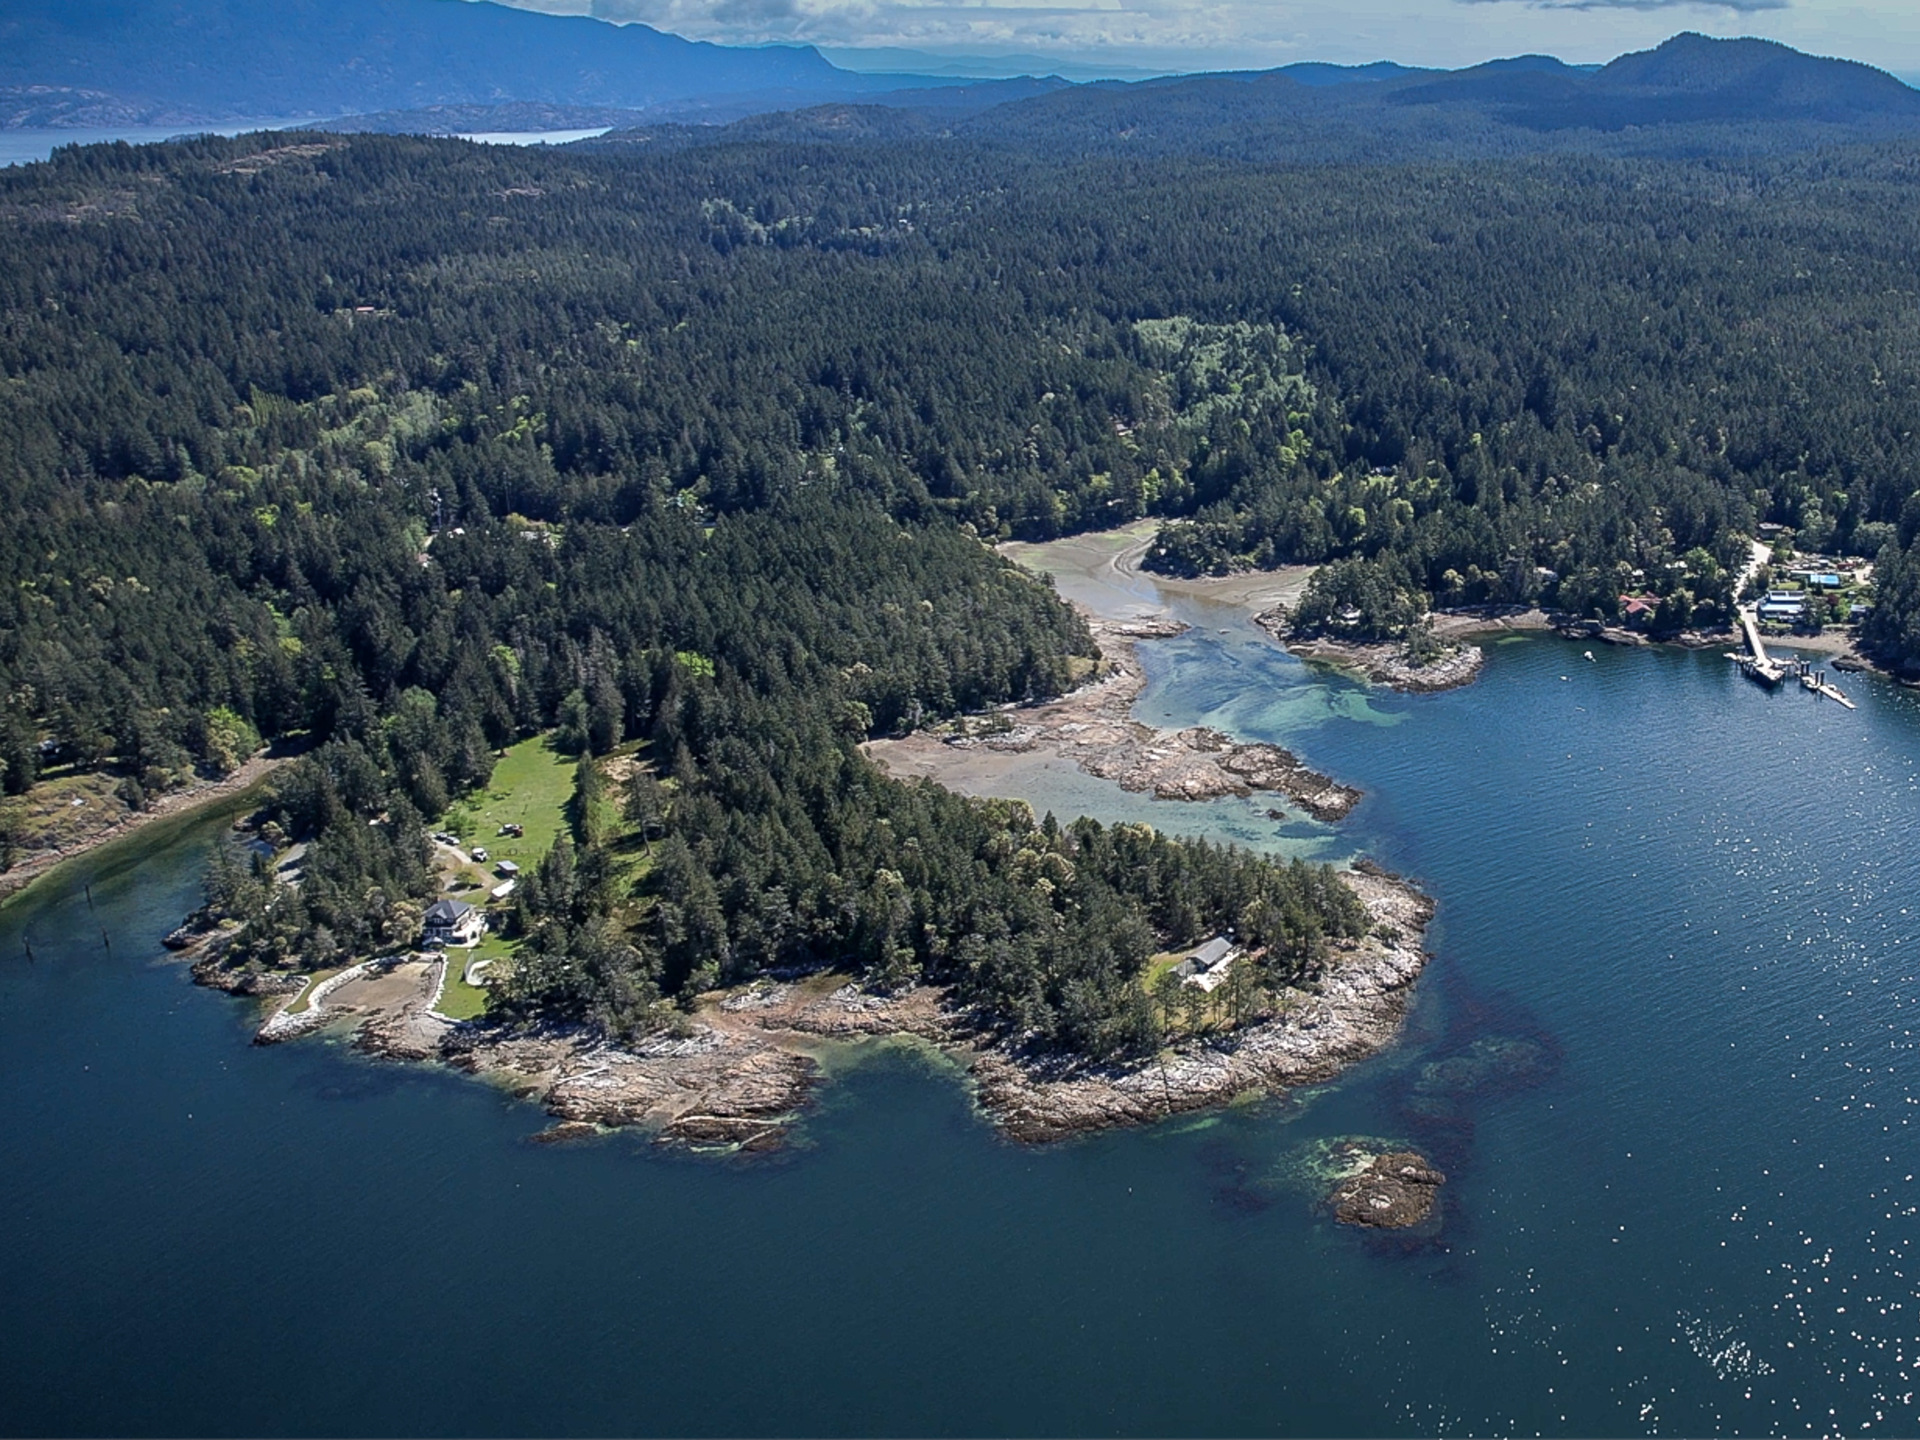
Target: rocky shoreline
point(39, 861)
point(1095, 729)
point(1355, 1012)
point(1385, 664)
point(740, 1071)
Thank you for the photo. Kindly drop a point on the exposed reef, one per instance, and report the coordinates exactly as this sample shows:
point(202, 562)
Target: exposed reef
point(1395, 1191)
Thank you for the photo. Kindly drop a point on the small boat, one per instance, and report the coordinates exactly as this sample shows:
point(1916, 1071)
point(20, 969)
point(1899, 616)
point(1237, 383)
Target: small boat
point(1589, 655)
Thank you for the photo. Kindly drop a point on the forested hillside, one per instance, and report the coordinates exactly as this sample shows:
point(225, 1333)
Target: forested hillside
point(415, 447)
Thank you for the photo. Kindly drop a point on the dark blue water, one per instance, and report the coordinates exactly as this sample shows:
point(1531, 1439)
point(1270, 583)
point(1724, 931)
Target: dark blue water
point(25, 147)
point(1689, 906)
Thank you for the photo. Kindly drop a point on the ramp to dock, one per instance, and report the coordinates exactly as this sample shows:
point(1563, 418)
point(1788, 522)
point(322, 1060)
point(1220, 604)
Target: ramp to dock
point(1759, 665)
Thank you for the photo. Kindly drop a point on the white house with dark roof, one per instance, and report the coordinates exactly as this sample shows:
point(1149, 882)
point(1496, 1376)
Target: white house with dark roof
point(452, 922)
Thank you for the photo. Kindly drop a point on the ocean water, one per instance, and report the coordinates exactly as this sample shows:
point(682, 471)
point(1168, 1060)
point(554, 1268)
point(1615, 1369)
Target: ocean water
point(1665, 1055)
point(25, 147)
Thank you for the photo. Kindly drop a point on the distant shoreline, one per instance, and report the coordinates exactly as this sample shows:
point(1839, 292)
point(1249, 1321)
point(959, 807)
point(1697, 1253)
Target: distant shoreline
point(175, 803)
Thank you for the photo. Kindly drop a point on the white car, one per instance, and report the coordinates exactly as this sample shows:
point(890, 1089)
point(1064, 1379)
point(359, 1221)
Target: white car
point(479, 855)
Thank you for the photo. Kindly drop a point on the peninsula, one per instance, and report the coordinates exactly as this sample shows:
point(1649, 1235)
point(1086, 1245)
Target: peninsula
point(738, 1069)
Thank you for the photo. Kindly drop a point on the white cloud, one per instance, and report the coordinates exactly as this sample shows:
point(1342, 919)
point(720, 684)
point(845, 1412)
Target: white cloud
point(1252, 34)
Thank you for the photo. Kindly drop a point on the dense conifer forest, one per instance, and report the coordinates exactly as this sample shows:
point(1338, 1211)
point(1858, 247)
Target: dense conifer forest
point(411, 448)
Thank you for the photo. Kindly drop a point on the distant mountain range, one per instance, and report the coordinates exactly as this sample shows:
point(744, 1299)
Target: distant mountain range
point(158, 62)
point(1691, 95)
point(458, 66)
point(1689, 79)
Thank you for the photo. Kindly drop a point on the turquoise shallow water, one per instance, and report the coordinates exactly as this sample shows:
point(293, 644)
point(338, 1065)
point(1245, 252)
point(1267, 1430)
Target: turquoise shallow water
point(1681, 1198)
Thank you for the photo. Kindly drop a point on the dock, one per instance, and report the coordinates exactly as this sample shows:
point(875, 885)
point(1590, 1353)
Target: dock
point(1761, 667)
point(1817, 682)
point(1758, 665)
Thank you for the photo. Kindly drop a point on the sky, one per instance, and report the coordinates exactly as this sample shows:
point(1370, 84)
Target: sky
point(1257, 34)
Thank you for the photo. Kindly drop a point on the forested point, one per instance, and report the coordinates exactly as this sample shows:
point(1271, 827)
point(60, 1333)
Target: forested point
point(414, 448)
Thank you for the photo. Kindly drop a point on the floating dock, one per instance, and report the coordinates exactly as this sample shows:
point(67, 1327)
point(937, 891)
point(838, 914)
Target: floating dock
point(1817, 682)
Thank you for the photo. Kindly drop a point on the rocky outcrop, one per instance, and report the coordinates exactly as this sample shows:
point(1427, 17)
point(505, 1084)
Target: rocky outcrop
point(1382, 664)
point(1391, 1192)
point(849, 1011)
point(711, 1088)
point(1355, 1013)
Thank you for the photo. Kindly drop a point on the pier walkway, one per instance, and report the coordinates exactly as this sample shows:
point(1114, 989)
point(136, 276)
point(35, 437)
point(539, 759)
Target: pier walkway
point(1760, 666)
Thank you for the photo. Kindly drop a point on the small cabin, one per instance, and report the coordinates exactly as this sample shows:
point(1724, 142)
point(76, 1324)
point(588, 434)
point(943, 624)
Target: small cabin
point(1207, 966)
point(1211, 953)
point(506, 869)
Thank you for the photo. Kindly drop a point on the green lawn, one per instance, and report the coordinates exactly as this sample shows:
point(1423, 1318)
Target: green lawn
point(531, 785)
point(304, 1001)
point(1158, 966)
point(459, 1000)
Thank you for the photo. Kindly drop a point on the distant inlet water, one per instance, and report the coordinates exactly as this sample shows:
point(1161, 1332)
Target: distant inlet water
point(1666, 1056)
point(25, 147)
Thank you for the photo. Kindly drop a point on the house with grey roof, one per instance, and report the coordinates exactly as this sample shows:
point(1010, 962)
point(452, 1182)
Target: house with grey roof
point(452, 922)
point(1207, 966)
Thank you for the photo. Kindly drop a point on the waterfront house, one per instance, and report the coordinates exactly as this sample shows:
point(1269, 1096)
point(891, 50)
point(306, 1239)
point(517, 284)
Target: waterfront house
point(452, 922)
point(1207, 966)
point(1211, 953)
point(1787, 606)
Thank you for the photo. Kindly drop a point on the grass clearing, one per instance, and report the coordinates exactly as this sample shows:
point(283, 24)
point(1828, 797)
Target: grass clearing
point(1157, 966)
point(47, 817)
point(304, 1001)
point(458, 999)
point(531, 785)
